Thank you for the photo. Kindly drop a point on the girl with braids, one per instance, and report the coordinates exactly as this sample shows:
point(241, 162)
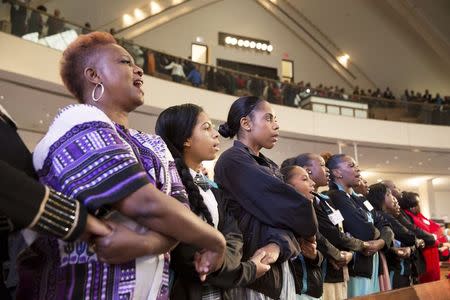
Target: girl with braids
point(269, 212)
point(191, 138)
point(360, 221)
point(330, 226)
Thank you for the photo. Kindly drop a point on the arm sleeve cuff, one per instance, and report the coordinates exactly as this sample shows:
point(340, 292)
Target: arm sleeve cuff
point(60, 216)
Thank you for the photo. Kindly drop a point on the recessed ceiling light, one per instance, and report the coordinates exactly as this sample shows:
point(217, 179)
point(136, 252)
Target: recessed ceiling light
point(420, 163)
point(2, 97)
point(388, 162)
point(429, 158)
point(396, 157)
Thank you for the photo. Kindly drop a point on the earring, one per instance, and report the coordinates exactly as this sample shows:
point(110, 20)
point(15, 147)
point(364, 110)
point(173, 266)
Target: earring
point(102, 90)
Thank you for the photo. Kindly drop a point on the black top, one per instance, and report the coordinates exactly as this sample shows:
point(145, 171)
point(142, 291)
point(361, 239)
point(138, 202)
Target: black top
point(335, 235)
point(379, 221)
point(21, 196)
point(267, 210)
point(359, 223)
point(407, 238)
point(233, 272)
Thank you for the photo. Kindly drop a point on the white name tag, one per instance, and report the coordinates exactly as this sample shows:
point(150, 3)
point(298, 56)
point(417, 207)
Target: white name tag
point(368, 205)
point(336, 217)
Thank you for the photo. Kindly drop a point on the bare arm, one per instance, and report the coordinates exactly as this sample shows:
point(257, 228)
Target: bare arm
point(123, 244)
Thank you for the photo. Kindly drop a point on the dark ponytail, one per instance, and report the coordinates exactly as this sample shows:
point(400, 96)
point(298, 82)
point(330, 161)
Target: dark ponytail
point(332, 161)
point(174, 125)
point(240, 108)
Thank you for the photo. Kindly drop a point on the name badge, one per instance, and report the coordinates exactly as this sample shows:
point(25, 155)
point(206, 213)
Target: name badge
point(336, 217)
point(368, 205)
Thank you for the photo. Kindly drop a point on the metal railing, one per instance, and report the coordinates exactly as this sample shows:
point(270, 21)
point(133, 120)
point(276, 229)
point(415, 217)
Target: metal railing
point(156, 63)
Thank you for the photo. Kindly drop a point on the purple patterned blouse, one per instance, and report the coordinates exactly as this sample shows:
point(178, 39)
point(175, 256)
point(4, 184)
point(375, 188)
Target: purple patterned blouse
point(87, 156)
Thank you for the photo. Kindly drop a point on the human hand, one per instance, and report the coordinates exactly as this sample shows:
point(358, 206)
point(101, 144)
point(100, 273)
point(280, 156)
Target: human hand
point(420, 243)
point(309, 249)
point(272, 251)
point(261, 268)
point(208, 261)
point(402, 252)
point(94, 227)
point(123, 244)
point(373, 246)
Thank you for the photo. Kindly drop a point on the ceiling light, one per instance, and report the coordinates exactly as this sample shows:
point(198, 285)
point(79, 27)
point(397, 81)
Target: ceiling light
point(240, 43)
point(234, 41)
point(264, 47)
point(246, 43)
point(395, 157)
point(258, 46)
point(127, 20)
point(379, 180)
point(270, 48)
point(228, 40)
point(252, 44)
point(420, 163)
point(139, 14)
point(155, 7)
point(343, 59)
point(388, 162)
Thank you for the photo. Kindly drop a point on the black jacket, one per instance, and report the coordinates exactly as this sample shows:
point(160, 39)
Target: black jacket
point(267, 210)
point(334, 235)
point(407, 238)
point(233, 273)
point(358, 224)
point(308, 275)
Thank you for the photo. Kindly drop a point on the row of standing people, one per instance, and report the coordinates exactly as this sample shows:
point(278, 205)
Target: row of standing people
point(254, 233)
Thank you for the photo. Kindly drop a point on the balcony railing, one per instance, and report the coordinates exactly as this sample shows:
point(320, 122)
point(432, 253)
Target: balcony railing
point(29, 23)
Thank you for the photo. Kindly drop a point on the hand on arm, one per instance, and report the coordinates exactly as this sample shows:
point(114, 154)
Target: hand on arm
point(257, 259)
point(161, 213)
point(309, 248)
point(94, 228)
point(272, 252)
point(123, 244)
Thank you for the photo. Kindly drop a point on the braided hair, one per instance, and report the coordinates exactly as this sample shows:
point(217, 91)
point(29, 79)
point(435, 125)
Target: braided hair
point(175, 126)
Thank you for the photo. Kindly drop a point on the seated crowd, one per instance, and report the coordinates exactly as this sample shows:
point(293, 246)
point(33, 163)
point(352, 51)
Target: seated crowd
point(123, 214)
